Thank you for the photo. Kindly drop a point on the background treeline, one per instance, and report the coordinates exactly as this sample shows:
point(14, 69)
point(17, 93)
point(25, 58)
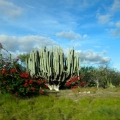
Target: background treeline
point(104, 76)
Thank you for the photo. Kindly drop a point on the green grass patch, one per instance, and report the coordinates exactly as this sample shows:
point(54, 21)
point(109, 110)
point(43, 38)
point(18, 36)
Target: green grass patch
point(54, 108)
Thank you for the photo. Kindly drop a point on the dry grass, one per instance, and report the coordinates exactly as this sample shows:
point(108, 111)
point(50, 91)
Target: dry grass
point(76, 94)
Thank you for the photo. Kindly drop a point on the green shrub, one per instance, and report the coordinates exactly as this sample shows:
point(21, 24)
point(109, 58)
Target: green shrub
point(17, 82)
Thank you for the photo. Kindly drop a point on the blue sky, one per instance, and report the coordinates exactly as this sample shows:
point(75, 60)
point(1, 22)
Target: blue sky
point(92, 27)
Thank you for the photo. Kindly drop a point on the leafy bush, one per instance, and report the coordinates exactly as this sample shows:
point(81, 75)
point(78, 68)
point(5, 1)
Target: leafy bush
point(18, 82)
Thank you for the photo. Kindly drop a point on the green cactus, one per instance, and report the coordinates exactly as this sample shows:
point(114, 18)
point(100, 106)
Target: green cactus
point(53, 65)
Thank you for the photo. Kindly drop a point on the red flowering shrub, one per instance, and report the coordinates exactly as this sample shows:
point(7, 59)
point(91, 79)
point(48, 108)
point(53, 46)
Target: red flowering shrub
point(73, 87)
point(13, 70)
point(38, 81)
point(17, 82)
point(68, 83)
point(74, 81)
point(83, 83)
point(4, 71)
point(41, 92)
point(24, 75)
point(26, 84)
point(31, 82)
point(33, 88)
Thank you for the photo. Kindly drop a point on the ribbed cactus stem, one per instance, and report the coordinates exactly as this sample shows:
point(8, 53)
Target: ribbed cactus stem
point(53, 64)
point(1, 56)
point(10, 58)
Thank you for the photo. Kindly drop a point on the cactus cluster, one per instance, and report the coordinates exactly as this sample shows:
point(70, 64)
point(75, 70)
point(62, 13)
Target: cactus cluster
point(53, 65)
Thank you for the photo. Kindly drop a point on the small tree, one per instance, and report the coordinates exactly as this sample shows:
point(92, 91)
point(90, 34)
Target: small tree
point(87, 75)
point(23, 57)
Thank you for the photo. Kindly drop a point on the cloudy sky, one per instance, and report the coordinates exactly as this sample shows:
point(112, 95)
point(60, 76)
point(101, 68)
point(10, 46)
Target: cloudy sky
point(92, 27)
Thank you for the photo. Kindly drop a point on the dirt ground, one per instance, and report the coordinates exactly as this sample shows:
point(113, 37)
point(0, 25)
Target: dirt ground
point(80, 93)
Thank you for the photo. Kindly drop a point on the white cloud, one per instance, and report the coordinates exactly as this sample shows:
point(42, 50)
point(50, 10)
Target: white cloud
point(25, 43)
point(97, 46)
point(102, 19)
point(116, 66)
point(92, 57)
point(77, 45)
point(29, 6)
point(16, 45)
point(111, 23)
point(85, 36)
point(118, 24)
point(104, 52)
point(9, 42)
point(106, 18)
point(69, 35)
point(78, 5)
point(116, 32)
point(115, 6)
point(9, 9)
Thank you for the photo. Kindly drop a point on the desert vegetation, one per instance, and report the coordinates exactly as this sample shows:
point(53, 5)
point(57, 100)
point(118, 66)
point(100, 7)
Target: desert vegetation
point(90, 93)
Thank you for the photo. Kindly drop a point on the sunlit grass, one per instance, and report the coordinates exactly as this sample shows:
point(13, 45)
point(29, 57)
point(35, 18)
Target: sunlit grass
point(55, 108)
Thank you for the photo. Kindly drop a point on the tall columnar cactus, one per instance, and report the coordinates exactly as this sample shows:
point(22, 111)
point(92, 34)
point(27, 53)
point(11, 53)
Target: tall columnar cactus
point(53, 65)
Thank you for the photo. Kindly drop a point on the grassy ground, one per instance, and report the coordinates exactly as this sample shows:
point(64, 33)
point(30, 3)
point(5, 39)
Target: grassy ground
point(102, 104)
point(81, 93)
